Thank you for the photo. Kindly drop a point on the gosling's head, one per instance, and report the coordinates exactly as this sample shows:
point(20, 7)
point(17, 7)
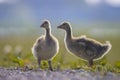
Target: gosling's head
point(45, 24)
point(65, 26)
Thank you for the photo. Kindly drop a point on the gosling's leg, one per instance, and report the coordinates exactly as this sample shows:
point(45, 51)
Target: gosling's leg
point(90, 63)
point(39, 61)
point(50, 65)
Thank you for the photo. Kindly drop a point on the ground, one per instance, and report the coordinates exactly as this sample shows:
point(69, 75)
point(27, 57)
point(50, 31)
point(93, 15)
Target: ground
point(37, 74)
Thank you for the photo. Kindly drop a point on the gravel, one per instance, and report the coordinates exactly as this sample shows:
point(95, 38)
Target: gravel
point(21, 74)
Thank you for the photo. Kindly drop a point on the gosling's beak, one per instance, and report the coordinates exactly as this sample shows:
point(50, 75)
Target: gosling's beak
point(41, 26)
point(59, 26)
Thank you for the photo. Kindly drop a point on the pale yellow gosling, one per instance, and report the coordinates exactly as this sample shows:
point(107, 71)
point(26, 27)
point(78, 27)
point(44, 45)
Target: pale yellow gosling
point(46, 46)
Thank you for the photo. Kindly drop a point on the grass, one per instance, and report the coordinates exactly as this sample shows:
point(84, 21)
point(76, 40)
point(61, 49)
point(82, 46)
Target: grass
point(16, 51)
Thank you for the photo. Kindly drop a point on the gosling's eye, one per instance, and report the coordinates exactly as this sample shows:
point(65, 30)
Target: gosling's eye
point(63, 24)
point(39, 40)
point(45, 22)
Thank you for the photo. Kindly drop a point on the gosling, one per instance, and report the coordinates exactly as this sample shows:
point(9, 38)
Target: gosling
point(83, 47)
point(46, 46)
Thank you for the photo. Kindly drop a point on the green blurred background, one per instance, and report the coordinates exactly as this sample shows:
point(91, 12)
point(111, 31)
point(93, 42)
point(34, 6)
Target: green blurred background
point(20, 21)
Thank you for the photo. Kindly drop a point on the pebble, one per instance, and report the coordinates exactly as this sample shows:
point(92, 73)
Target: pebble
point(18, 74)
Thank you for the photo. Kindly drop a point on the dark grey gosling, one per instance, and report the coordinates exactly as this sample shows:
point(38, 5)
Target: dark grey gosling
point(83, 47)
point(46, 46)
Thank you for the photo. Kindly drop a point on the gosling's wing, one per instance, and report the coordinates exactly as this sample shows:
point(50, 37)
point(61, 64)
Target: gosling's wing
point(39, 43)
point(81, 43)
point(40, 39)
point(88, 47)
point(92, 49)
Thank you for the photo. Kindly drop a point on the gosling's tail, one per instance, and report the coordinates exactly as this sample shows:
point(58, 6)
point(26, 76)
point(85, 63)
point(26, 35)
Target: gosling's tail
point(106, 47)
point(103, 50)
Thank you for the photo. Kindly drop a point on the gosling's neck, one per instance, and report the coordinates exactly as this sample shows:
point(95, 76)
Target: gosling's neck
point(48, 32)
point(68, 34)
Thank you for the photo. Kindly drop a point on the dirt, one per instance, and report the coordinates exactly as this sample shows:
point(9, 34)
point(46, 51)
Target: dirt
point(24, 74)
